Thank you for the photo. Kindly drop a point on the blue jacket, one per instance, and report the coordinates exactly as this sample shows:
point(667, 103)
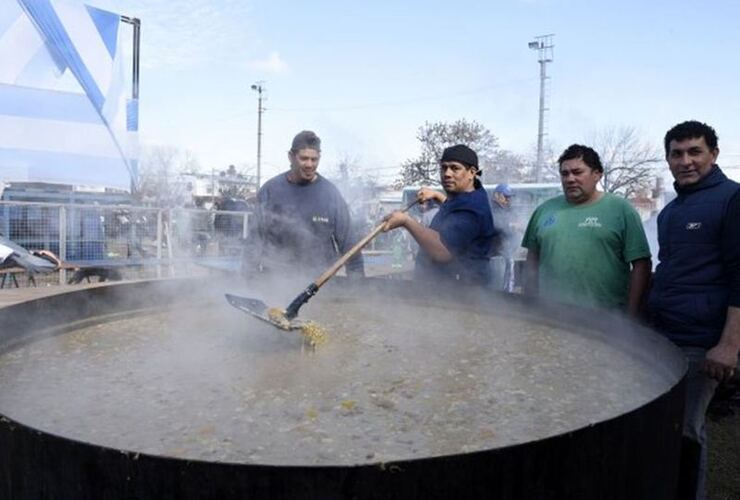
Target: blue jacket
point(689, 297)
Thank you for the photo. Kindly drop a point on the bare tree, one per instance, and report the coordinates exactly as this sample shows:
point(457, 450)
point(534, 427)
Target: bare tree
point(347, 168)
point(629, 162)
point(355, 183)
point(189, 162)
point(550, 169)
point(506, 167)
point(435, 137)
point(159, 168)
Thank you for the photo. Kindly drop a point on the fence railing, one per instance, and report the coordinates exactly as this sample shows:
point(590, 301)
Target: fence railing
point(124, 235)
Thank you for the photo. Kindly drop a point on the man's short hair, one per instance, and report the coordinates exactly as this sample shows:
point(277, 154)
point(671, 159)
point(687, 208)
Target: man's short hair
point(306, 139)
point(589, 156)
point(691, 129)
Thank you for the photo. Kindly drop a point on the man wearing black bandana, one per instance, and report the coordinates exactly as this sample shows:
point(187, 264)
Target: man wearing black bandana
point(456, 246)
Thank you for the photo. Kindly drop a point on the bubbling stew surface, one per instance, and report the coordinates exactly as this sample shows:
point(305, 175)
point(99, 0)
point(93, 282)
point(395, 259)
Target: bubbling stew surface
point(393, 382)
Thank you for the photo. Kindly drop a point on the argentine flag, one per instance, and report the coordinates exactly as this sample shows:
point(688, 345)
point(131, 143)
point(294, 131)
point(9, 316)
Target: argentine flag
point(64, 113)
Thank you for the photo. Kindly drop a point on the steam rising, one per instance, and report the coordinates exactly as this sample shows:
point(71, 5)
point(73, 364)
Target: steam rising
point(397, 380)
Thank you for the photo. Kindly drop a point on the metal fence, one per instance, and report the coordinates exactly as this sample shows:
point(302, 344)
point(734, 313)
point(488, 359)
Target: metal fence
point(96, 235)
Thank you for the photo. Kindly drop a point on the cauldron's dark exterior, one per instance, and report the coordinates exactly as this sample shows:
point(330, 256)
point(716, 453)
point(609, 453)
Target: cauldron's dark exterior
point(631, 456)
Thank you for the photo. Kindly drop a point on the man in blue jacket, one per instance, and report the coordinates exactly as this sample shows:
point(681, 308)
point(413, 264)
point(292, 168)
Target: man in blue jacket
point(505, 243)
point(456, 246)
point(695, 299)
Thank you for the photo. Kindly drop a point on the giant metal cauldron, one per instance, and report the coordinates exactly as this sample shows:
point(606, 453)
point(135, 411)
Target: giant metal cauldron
point(631, 455)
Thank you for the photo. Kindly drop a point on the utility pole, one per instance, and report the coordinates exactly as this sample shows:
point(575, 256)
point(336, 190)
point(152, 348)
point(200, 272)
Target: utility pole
point(259, 88)
point(543, 45)
point(213, 188)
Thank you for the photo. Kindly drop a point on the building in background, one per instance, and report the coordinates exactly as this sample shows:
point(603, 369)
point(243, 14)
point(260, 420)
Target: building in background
point(209, 190)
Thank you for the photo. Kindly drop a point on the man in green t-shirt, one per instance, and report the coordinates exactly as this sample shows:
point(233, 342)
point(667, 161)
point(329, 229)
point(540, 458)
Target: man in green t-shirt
point(587, 247)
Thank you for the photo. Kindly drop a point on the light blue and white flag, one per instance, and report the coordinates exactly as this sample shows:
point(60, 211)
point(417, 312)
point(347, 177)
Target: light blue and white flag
point(64, 113)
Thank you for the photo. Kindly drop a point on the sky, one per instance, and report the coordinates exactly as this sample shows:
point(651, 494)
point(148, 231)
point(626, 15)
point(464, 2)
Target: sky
point(366, 75)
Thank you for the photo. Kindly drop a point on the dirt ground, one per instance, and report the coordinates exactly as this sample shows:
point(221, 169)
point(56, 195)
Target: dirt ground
point(723, 428)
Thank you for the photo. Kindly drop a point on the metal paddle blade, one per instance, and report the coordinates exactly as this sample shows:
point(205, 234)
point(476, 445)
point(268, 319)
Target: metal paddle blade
point(261, 311)
point(252, 306)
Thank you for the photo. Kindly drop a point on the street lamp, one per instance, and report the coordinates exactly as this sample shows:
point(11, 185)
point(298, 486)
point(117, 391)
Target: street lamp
point(259, 88)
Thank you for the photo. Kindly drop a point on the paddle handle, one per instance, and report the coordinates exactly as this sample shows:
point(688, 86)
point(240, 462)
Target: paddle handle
point(354, 250)
point(292, 310)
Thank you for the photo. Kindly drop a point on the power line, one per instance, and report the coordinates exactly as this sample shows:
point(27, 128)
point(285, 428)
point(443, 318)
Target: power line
point(408, 101)
point(381, 104)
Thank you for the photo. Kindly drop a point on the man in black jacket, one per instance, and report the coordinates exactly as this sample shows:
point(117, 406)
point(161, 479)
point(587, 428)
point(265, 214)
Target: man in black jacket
point(695, 299)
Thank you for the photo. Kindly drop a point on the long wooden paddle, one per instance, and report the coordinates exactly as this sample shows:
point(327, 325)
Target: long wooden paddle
point(285, 320)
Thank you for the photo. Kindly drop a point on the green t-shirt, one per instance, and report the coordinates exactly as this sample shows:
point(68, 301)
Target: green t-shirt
point(585, 250)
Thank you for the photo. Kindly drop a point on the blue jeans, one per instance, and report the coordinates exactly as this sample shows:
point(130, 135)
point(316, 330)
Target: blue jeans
point(502, 274)
point(699, 391)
